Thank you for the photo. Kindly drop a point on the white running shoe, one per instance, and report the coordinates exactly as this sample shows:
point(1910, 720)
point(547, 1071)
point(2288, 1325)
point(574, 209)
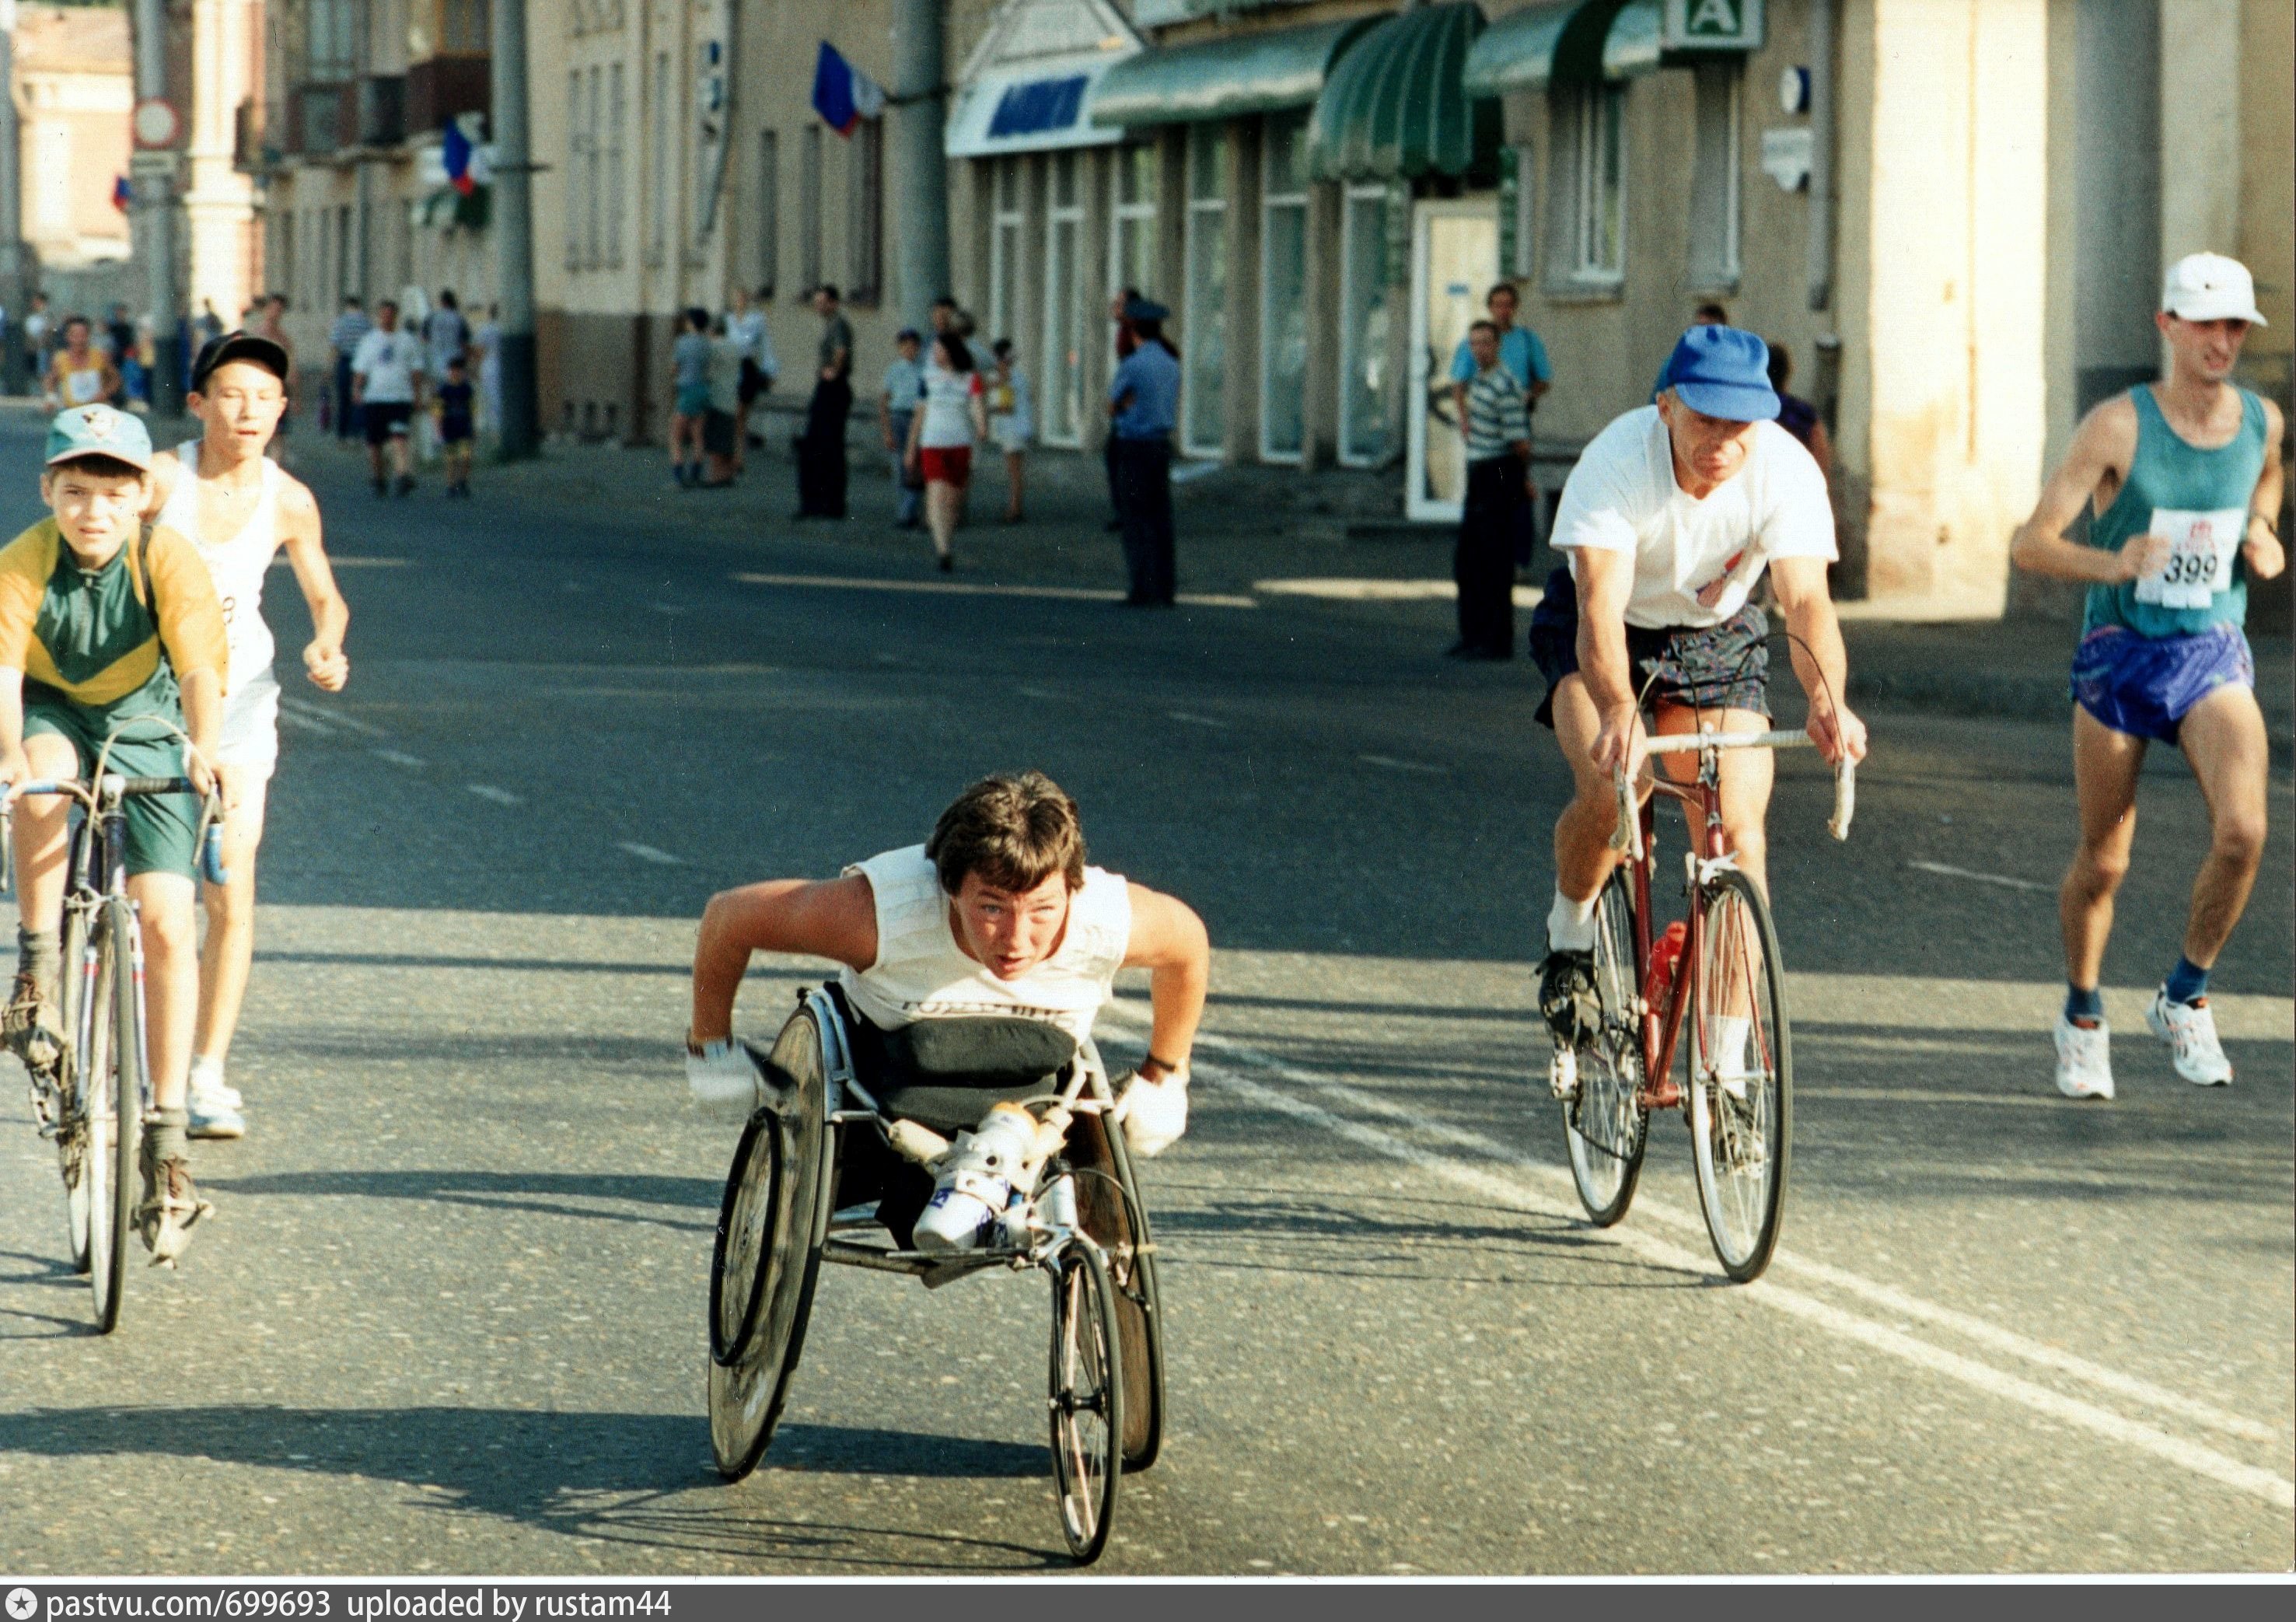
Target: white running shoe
point(2190, 1030)
point(2084, 1058)
point(212, 1109)
point(207, 1078)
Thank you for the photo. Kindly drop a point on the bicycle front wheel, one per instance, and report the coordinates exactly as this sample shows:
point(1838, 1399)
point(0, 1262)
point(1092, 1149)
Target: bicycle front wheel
point(84, 1187)
point(112, 1090)
point(1741, 1076)
point(1606, 1125)
point(1087, 1399)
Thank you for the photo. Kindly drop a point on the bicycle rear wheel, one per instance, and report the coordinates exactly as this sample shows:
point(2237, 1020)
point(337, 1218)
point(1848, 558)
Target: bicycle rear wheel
point(111, 1090)
point(1086, 1400)
point(74, 1142)
point(1606, 1125)
point(1741, 1077)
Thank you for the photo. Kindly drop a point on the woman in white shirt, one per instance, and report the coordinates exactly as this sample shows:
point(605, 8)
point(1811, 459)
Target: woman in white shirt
point(1012, 419)
point(746, 326)
point(949, 419)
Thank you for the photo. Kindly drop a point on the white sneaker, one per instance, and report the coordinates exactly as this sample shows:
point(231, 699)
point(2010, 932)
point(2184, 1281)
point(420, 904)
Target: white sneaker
point(2190, 1030)
point(212, 1109)
point(1154, 1113)
point(2084, 1058)
point(207, 1081)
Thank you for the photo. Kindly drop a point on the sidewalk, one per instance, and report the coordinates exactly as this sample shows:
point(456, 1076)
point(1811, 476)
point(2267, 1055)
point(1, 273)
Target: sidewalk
point(1334, 540)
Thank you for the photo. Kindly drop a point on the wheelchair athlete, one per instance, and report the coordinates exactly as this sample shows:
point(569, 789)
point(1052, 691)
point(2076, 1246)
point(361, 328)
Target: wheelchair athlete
point(996, 914)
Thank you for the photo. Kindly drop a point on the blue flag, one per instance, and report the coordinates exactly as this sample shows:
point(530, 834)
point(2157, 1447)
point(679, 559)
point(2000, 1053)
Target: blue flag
point(842, 95)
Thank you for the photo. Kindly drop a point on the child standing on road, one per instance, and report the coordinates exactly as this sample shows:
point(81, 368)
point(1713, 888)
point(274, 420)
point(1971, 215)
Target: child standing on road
point(457, 423)
point(1012, 421)
point(111, 634)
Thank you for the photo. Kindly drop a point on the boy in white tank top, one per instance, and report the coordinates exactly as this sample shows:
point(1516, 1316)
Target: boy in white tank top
point(997, 913)
point(239, 508)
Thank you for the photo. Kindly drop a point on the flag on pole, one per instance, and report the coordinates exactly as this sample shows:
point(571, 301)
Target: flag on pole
point(121, 196)
point(457, 159)
point(842, 95)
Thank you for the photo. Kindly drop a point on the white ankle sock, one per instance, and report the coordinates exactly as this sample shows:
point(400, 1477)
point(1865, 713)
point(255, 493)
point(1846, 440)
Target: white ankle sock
point(1569, 924)
point(206, 1073)
point(1734, 1034)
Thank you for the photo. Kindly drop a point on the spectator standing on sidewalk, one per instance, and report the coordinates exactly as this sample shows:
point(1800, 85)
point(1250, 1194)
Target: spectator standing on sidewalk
point(1127, 340)
point(1520, 353)
point(1798, 416)
point(37, 327)
point(445, 332)
point(949, 422)
point(1497, 432)
point(745, 324)
point(689, 396)
point(343, 338)
point(896, 405)
point(721, 440)
point(1144, 402)
point(1011, 421)
point(486, 356)
point(821, 449)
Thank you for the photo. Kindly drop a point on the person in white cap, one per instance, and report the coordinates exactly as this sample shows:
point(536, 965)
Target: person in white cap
point(2183, 477)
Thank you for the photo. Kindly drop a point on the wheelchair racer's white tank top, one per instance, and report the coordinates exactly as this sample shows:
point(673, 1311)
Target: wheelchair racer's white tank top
point(921, 972)
point(238, 564)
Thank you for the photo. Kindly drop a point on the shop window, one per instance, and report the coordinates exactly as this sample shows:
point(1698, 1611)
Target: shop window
point(1204, 396)
point(1005, 249)
point(1590, 186)
point(615, 110)
point(1061, 374)
point(1716, 174)
point(1132, 256)
point(1365, 387)
point(769, 211)
point(808, 207)
point(864, 211)
point(1284, 288)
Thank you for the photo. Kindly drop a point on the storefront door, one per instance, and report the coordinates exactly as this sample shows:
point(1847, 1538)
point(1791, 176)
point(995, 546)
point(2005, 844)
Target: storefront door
point(1455, 255)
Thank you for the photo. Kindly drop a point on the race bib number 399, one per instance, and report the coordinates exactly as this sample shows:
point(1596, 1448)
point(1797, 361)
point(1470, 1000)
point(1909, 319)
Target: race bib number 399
point(2201, 546)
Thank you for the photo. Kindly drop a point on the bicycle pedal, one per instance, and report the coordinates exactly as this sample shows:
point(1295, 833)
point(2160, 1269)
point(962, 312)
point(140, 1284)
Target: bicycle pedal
point(1563, 1074)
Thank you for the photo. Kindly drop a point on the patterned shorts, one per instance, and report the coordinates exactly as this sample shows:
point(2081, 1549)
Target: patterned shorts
point(1715, 666)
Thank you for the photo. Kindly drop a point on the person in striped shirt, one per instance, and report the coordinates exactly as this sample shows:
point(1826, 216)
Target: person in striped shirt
point(1497, 432)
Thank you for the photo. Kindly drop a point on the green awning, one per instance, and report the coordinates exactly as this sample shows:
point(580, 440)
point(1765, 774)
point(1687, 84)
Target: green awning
point(1565, 40)
point(1225, 79)
point(1394, 107)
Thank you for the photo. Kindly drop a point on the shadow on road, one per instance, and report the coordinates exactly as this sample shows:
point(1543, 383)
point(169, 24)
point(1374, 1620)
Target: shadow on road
point(534, 1192)
point(624, 1477)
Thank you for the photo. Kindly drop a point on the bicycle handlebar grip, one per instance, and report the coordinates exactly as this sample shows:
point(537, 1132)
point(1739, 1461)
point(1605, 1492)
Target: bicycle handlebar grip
point(212, 866)
point(156, 785)
point(1845, 798)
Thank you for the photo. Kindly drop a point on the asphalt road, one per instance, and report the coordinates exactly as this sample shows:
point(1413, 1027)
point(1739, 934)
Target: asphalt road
point(449, 1316)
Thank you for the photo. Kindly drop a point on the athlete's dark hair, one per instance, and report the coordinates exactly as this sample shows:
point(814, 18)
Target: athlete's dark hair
point(1015, 831)
point(959, 352)
point(697, 318)
point(101, 466)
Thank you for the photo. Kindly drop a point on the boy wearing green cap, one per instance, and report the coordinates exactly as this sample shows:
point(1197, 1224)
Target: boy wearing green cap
point(110, 633)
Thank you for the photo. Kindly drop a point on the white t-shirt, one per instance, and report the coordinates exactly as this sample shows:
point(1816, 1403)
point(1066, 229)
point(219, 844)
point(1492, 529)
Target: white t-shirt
point(922, 973)
point(389, 362)
point(948, 408)
point(1696, 562)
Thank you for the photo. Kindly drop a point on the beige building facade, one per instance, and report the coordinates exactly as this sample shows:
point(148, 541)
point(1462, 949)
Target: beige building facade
point(73, 93)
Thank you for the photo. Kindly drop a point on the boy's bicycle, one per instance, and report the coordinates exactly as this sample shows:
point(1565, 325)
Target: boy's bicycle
point(1718, 970)
point(91, 1099)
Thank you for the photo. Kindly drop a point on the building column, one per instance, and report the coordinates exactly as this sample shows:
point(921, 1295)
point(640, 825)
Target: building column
point(218, 202)
point(1095, 340)
point(1319, 383)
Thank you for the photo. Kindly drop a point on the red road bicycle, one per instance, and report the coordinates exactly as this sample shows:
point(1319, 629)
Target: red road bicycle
point(1716, 972)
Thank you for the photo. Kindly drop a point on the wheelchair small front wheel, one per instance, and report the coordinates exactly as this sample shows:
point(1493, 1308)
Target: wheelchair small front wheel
point(1087, 1399)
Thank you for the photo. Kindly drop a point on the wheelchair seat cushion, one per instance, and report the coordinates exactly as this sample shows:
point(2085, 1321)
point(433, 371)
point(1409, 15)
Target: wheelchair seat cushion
point(946, 1073)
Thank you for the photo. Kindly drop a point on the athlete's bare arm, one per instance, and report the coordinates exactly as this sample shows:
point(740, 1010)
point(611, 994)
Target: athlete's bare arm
point(833, 918)
point(1168, 941)
point(2098, 459)
point(330, 616)
point(1820, 662)
point(2264, 554)
point(167, 467)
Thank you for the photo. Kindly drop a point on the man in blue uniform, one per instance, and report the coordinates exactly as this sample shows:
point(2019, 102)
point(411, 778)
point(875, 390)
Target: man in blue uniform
point(2184, 477)
point(1143, 399)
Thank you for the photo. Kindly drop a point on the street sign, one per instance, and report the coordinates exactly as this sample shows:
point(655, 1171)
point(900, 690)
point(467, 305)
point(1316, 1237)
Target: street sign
point(1713, 25)
point(158, 126)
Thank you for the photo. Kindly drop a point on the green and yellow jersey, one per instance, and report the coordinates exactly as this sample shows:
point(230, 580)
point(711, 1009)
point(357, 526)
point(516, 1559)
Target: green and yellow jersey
point(96, 637)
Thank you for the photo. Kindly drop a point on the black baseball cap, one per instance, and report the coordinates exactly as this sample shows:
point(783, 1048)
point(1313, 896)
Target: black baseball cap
point(267, 353)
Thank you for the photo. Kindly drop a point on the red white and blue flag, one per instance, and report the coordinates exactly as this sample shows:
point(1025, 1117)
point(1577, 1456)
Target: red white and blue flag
point(122, 197)
point(457, 157)
point(842, 95)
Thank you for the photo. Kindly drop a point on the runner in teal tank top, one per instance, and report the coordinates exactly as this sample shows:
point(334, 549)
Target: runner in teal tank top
point(2183, 480)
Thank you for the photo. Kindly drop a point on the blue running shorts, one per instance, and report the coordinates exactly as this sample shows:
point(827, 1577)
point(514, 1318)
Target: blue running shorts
point(2146, 685)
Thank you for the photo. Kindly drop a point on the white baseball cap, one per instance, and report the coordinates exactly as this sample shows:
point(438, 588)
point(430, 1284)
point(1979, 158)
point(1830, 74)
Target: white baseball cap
point(2210, 287)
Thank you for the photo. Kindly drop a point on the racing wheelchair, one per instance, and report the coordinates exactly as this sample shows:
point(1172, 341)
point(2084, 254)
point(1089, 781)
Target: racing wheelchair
point(833, 1167)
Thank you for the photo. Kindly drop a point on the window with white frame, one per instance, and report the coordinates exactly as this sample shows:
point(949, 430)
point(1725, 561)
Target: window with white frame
point(808, 207)
point(1132, 221)
point(1365, 380)
point(658, 215)
point(1589, 244)
point(594, 158)
point(615, 112)
point(1062, 369)
point(1204, 404)
point(1715, 173)
point(1005, 223)
point(574, 137)
point(864, 219)
point(769, 211)
point(1283, 286)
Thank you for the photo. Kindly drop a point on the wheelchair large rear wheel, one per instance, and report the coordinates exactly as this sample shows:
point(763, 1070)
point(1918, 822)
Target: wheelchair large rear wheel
point(1108, 1199)
point(1086, 1400)
point(767, 1259)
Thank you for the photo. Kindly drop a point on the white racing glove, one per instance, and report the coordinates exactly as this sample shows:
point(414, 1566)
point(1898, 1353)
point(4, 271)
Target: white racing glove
point(1154, 1113)
point(722, 1079)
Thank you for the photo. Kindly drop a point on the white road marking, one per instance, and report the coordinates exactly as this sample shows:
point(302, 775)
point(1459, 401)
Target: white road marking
point(487, 791)
point(333, 561)
point(1196, 720)
point(2002, 880)
point(336, 717)
point(309, 723)
point(399, 757)
point(668, 608)
point(647, 853)
point(968, 588)
point(1360, 589)
point(1188, 473)
point(1393, 764)
point(2202, 1461)
point(1038, 694)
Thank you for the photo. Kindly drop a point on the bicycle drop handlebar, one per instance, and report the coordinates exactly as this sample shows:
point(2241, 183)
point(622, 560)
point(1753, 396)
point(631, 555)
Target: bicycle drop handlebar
point(211, 858)
point(1628, 834)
